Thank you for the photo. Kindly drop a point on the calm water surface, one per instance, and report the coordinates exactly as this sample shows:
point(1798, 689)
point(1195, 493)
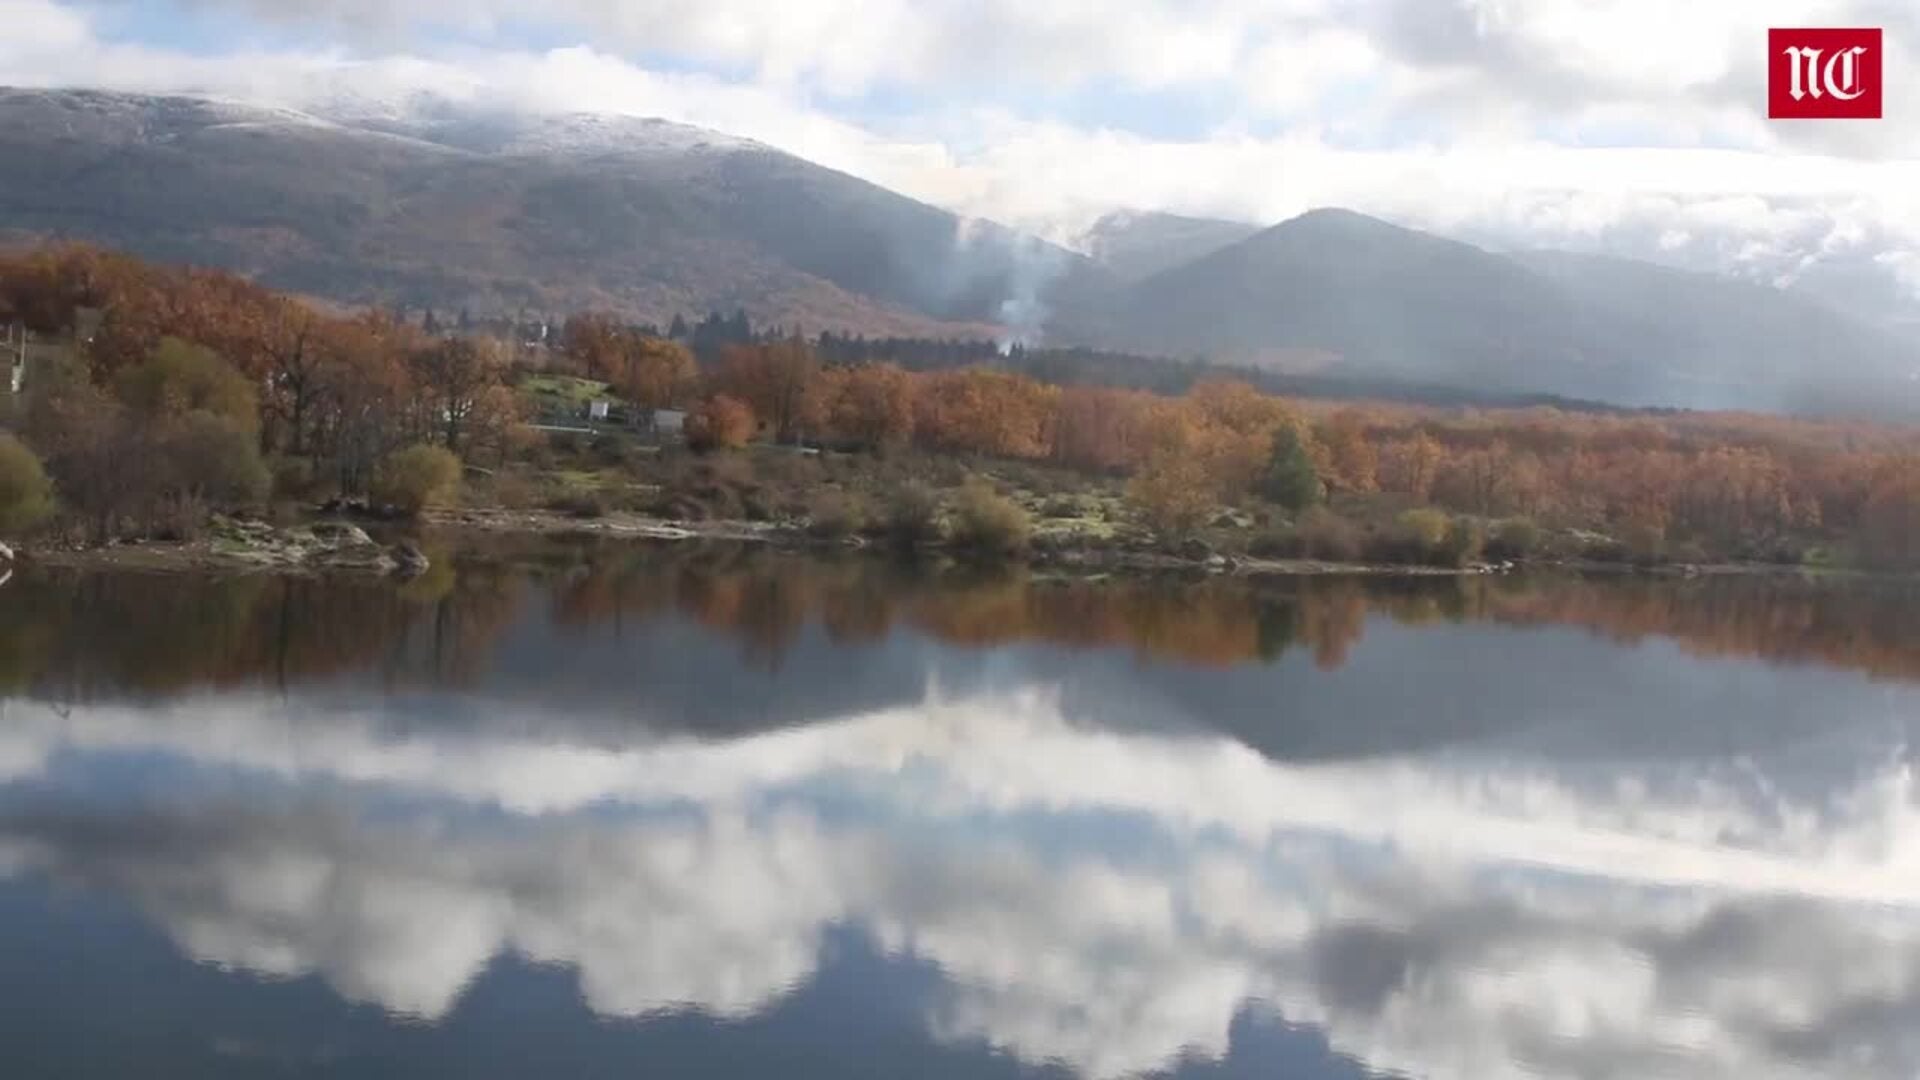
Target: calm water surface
point(652, 812)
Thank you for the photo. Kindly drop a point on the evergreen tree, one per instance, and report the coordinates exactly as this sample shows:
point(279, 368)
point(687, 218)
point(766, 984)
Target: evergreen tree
point(678, 331)
point(1291, 480)
point(430, 323)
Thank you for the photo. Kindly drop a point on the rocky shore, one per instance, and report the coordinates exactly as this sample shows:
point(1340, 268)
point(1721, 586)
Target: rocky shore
point(334, 544)
point(230, 544)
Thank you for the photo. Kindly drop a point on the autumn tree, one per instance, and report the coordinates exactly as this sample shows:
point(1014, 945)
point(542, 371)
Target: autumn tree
point(720, 423)
point(780, 381)
point(1890, 525)
point(98, 458)
point(596, 341)
point(1238, 407)
point(366, 393)
point(1172, 492)
point(1354, 461)
point(1411, 466)
point(872, 405)
point(982, 411)
point(294, 348)
point(654, 373)
point(453, 377)
point(1102, 429)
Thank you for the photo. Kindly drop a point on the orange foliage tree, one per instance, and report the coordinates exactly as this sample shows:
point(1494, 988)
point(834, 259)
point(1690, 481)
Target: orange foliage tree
point(780, 381)
point(871, 405)
point(720, 423)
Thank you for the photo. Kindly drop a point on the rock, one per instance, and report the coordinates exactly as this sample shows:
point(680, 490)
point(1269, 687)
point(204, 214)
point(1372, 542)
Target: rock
point(6, 553)
point(367, 557)
point(1217, 563)
point(1195, 548)
point(409, 558)
point(340, 534)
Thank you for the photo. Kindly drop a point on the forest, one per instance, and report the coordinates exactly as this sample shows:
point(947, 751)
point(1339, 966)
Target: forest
point(188, 391)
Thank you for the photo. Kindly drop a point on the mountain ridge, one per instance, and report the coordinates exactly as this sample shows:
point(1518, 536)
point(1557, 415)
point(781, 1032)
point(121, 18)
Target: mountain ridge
point(451, 206)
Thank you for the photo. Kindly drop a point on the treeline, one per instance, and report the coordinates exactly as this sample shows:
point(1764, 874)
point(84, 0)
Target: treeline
point(1081, 366)
point(194, 389)
point(1689, 486)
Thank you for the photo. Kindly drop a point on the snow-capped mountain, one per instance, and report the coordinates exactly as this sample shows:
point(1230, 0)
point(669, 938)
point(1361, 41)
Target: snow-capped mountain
point(448, 203)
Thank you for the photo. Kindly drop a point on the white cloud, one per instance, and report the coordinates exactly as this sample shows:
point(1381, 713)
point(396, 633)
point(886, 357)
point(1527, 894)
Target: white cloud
point(1602, 125)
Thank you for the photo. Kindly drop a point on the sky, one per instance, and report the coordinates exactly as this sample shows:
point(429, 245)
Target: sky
point(1635, 127)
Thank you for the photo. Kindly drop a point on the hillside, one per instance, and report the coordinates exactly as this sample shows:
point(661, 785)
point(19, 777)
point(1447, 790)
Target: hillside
point(1335, 292)
point(499, 212)
point(1139, 244)
point(436, 205)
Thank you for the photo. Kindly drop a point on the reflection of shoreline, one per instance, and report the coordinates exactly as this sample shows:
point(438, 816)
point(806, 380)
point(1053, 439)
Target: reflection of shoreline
point(74, 636)
point(1449, 920)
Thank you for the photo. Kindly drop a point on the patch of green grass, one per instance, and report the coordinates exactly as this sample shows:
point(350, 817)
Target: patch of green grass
point(584, 479)
point(564, 389)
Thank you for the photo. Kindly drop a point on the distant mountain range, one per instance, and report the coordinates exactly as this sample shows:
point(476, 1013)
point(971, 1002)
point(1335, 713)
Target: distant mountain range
point(1333, 291)
point(451, 207)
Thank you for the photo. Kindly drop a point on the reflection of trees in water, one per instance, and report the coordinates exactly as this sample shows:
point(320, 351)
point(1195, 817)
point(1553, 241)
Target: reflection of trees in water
point(1864, 625)
point(767, 598)
point(73, 636)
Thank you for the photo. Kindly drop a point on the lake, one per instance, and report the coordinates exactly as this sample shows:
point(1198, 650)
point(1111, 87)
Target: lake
point(601, 810)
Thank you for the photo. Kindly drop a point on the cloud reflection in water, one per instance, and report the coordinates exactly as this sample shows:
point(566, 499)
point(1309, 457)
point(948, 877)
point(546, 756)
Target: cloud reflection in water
point(1110, 900)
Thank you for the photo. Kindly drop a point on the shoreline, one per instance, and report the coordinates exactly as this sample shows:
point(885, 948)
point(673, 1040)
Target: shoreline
point(291, 550)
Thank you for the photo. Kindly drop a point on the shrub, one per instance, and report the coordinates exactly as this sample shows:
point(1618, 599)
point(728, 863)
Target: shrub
point(180, 378)
point(1427, 529)
point(178, 518)
point(418, 477)
point(26, 496)
point(514, 491)
point(1327, 536)
point(215, 459)
point(579, 504)
point(988, 523)
point(1513, 539)
point(1644, 543)
point(1277, 542)
point(833, 516)
point(913, 516)
point(1466, 543)
point(1426, 537)
point(294, 478)
point(1060, 507)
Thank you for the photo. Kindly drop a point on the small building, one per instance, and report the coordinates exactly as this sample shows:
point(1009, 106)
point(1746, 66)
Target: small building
point(669, 421)
point(597, 409)
point(22, 350)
